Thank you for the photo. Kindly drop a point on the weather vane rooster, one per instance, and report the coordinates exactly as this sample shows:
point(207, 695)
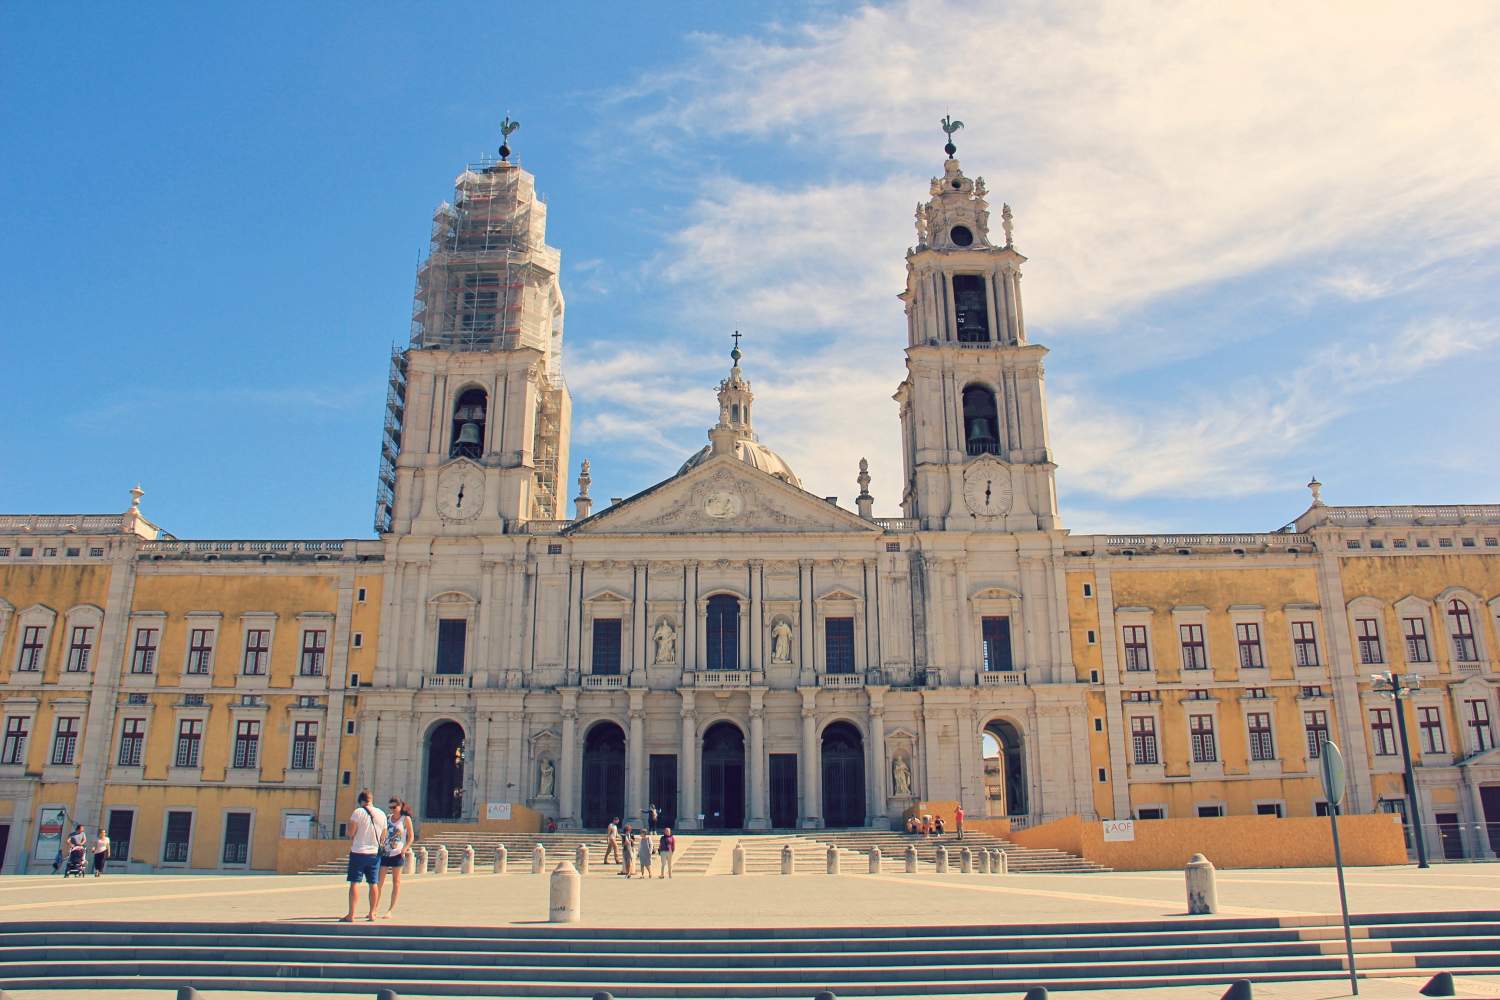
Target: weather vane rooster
point(950, 125)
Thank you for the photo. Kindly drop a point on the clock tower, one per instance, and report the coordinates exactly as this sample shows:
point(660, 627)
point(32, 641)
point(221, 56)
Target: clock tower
point(974, 439)
point(478, 416)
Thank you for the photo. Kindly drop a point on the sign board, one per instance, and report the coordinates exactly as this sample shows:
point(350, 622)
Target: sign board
point(296, 826)
point(1119, 829)
point(497, 810)
point(49, 833)
point(1335, 774)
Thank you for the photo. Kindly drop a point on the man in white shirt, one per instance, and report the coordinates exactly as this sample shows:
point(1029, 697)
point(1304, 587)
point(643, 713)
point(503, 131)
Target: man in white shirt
point(366, 833)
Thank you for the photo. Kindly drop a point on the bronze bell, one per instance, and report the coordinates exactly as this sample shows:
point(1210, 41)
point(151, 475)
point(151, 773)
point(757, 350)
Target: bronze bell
point(468, 433)
point(979, 429)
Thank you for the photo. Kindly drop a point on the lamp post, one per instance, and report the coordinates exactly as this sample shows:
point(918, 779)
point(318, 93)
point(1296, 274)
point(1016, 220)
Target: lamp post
point(1394, 687)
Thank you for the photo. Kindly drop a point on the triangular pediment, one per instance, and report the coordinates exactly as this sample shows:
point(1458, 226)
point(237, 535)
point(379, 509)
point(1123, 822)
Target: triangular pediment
point(722, 495)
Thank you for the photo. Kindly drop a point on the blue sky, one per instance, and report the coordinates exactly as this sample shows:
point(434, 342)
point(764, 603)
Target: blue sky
point(1262, 244)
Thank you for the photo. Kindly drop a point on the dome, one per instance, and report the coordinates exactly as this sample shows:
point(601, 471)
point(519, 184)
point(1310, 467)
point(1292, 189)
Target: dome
point(753, 454)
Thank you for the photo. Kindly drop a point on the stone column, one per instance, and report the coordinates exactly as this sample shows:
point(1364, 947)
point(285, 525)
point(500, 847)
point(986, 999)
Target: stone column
point(692, 657)
point(567, 784)
point(759, 791)
point(419, 664)
point(640, 644)
point(812, 787)
point(875, 805)
point(481, 663)
point(687, 765)
point(479, 761)
point(969, 656)
point(806, 625)
point(757, 620)
point(516, 778)
point(635, 778)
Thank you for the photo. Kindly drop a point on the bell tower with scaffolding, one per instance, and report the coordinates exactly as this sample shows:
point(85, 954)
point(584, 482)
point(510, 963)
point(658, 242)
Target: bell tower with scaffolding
point(477, 413)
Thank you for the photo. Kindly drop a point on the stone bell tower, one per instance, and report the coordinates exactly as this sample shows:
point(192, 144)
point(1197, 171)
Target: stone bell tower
point(478, 416)
point(973, 414)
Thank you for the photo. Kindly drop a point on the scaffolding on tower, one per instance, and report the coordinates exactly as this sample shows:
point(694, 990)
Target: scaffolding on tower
point(390, 442)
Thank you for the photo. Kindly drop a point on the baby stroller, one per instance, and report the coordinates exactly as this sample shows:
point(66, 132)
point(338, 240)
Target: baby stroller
point(76, 864)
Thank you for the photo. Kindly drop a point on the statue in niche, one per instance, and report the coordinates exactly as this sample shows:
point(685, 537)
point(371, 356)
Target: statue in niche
point(546, 783)
point(781, 642)
point(665, 637)
point(901, 778)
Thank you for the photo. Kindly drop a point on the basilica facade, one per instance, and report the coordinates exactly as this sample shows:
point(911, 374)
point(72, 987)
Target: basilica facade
point(725, 645)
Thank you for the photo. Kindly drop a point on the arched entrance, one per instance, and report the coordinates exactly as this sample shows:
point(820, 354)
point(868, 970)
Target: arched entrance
point(1004, 770)
point(843, 776)
point(603, 775)
point(723, 777)
point(445, 771)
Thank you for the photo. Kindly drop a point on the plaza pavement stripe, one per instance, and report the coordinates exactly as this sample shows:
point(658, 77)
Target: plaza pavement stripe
point(96, 900)
point(1233, 878)
point(52, 879)
point(1082, 896)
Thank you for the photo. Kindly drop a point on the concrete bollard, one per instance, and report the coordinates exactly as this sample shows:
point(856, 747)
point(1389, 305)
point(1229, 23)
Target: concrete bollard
point(1240, 990)
point(786, 859)
point(739, 859)
point(965, 861)
point(911, 859)
point(565, 901)
point(942, 860)
point(1036, 993)
point(502, 859)
point(825, 995)
point(421, 861)
point(982, 862)
point(188, 993)
point(581, 859)
point(875, 861)
point(387, 995)
point(538, 859)
point(1004, 863)
point(833, 860)
point(603, 995)
point(442, 859)
point(408, 862)
point(467, 866)
point(1440, 985)
point(1202, 896)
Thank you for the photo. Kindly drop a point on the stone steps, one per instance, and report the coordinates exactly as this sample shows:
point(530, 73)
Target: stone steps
point(734, 963)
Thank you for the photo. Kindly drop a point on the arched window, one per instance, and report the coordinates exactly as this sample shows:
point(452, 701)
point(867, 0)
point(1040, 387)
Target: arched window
point(723, 632)
point(970, 314)
point(981, 426)
point(468, 424)
point(1462, 629)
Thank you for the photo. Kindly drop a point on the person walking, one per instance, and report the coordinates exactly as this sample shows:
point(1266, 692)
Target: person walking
point(399, 838)
point(367, 828)
point(667, 846)
point(101, 852)
point(958, 821)
point(627, 852)
point(612, 842)
point(645, 857)
point(653, 815)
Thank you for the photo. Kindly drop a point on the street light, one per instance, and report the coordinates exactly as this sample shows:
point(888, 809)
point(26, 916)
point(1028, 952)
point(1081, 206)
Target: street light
point(1394, 687)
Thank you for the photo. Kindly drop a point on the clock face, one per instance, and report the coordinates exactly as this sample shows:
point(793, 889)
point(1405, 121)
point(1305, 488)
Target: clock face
point(987, 489)
point(460, 491)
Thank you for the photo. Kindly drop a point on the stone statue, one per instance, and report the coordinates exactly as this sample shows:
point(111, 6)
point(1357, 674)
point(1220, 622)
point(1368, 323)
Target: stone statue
point(546, 785)
point(781, 642)
point(665, 637)
point(901, 778)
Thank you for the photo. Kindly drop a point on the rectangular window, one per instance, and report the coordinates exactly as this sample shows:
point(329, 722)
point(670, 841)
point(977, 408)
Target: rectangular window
point(1368, 634)
point(257, 651)
point(189, 740)
point(65, 741)
point(1137, 655)
point(1464, 648)
point(80, 647)
point(1383, 730)
point(1143, 739)
point(1201, 730)
point(838, 634)
point(32, 637)
point(121, 824)
point(1262, 747)
point(304, 746)
point(1430, 725)
point(1481, 736)
point(143, 657)
point(1194, 652)
point(1316, 724)
point(14, 750)
point(1210, 812)
point(246, 744)
point(236, 838)
point(1268, 809)
point(1247, 635)
point(606, 657)
point(174, 850)
point(314, 647)
point(1415, 633)
point(995, 632)
point(1305, 644)
point(453, 633)
point(132, 742)
point(200, 650)
point(1150, 812)
point(969, 309)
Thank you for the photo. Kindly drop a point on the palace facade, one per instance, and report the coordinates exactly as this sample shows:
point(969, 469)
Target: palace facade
point(724, 644)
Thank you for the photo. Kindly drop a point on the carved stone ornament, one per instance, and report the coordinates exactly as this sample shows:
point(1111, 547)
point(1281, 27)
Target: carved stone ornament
point(546, 779)
point(781, 641)
point(664, 636)
point(900, 777)
point(722, 504)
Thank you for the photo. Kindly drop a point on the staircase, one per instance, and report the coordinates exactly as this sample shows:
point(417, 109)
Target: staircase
point(718, 964)
point(694, 854)
point(893, 847)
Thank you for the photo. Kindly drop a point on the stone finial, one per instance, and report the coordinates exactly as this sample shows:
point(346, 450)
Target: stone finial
point(921, 224)
point(1006, 224)
point(135, 498)
point(582, 504)
point(1317, 491)
point(865, 502)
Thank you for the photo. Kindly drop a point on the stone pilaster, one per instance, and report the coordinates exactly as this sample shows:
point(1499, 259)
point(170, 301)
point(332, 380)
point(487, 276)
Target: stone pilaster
point(812, 785)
